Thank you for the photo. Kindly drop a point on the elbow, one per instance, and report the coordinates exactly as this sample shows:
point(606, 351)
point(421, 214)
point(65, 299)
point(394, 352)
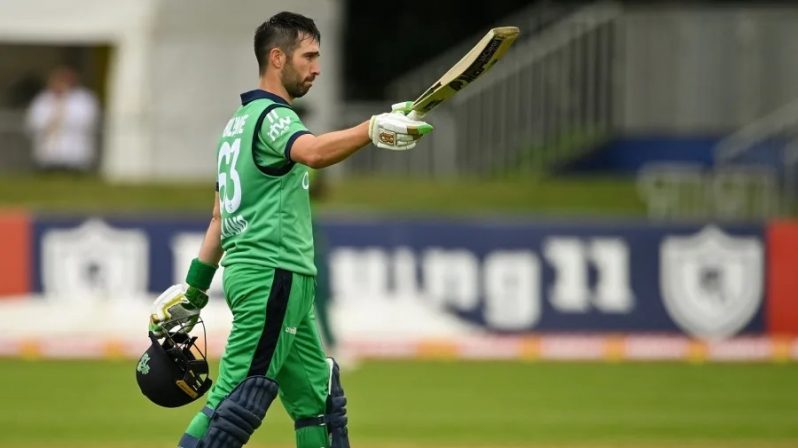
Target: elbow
point(315, 161)
point(310, 151)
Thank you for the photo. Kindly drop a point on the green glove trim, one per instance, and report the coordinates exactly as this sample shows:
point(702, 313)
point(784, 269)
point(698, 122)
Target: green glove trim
point(196, 298)
point(200, 275)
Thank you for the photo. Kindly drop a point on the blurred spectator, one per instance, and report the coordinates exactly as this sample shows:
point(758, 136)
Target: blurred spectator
point(62, 120)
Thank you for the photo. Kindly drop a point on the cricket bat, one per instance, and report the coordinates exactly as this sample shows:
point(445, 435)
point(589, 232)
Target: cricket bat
point(474, 64)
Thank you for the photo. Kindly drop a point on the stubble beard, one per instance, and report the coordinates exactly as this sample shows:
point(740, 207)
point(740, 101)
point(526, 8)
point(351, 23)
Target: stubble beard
point(293, 84)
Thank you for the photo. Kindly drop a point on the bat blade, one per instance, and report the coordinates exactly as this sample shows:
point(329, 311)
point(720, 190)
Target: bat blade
point(474, 64)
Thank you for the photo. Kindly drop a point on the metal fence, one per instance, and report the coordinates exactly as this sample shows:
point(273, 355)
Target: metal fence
point(550, 98)
point(755, 175)
point(771, 141)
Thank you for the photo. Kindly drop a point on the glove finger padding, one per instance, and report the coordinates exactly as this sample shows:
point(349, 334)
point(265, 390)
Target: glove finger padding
point(401, 146)
point(180, 319)
point(172, 296)
point(406, 138)
point(172, 309)
point(403, 108)
point(401, 124)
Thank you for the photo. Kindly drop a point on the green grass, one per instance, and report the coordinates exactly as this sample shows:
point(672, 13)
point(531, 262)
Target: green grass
point(561, 196)
point(437, 404)
point(594, 196)
point(62, 193)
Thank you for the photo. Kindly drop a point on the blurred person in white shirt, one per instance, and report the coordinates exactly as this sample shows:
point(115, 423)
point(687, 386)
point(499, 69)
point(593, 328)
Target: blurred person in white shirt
point(62, 120)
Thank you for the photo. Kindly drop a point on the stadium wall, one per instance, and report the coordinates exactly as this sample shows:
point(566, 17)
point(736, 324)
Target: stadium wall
point(530, 289)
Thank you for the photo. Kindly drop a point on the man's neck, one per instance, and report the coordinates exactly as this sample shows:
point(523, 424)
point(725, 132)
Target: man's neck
point(274, 86)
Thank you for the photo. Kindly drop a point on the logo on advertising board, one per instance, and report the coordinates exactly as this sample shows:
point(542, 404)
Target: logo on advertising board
point(499, 290)
point(711, 283)
point(94, 260)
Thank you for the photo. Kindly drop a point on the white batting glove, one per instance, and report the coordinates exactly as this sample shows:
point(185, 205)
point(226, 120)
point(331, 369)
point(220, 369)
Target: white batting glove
point(406, 108)
point(395, 131)
point(172, 309)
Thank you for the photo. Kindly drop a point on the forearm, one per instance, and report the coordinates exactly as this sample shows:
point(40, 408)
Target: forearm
point(333, 147)
point(201, 271)
point(211, 249)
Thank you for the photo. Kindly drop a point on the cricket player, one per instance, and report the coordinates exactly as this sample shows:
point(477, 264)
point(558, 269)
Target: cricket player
point(262, 224)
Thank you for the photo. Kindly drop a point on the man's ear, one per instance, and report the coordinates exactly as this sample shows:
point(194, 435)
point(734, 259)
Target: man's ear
point(277, 57)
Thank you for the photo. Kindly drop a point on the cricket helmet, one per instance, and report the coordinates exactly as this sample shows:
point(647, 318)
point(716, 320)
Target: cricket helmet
point(173, 371)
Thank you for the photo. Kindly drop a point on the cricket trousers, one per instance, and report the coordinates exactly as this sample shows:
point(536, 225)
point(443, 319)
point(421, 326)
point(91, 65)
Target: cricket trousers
point(274, 333)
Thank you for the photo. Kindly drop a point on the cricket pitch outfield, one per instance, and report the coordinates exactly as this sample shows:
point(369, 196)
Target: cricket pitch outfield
point(453, 404)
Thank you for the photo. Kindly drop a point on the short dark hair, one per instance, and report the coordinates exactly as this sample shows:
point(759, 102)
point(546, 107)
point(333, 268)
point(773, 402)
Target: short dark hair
point(283, 31)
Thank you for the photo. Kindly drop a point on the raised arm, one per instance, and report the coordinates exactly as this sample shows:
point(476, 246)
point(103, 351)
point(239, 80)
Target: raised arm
point(330, 148)
point(391, 130)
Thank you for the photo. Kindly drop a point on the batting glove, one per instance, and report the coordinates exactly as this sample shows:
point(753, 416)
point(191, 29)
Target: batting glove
point(394, 130)
point(177, 307)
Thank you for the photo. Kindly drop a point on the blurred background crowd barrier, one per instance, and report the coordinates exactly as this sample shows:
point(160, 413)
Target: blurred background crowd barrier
point(692, 105)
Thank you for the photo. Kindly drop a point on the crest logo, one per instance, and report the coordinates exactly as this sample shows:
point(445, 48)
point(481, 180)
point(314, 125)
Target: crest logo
point(144, 364)
point(94, 261)
point(711, 283)
point(389, 138)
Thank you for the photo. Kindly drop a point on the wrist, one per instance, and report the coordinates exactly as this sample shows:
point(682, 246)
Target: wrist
point(199, 278)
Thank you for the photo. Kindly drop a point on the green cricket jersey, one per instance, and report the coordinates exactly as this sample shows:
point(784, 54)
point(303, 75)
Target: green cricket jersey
point(263, 195)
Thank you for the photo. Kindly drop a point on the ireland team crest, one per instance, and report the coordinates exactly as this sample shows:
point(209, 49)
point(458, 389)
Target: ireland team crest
point(711, 283)
point(144, 366)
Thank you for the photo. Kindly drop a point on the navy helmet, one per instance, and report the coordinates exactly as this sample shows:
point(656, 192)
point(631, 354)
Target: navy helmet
point(174, 371)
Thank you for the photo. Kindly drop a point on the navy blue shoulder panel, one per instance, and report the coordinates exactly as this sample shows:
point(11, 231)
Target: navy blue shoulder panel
point(279, 169)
